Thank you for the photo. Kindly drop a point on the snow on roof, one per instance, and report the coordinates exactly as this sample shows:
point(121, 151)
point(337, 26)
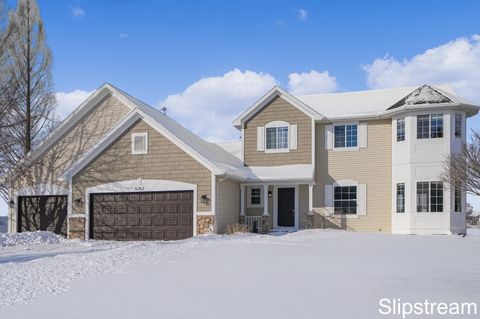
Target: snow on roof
point(215, 154)
point(423, 95)
point(371, 102)
point(233, 147)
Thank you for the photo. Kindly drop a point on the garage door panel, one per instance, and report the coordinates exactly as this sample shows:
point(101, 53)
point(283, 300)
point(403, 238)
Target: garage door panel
point(142, 216)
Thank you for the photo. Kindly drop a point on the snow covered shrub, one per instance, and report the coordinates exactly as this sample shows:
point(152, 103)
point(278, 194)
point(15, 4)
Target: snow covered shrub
point(236, 229)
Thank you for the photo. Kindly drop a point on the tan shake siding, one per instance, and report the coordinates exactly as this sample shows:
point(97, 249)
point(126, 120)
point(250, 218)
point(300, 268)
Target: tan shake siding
point(228, 204)
point(85, 134)
point(371, 166)
point(164, 160)
point(303, 206)
point(279, 110)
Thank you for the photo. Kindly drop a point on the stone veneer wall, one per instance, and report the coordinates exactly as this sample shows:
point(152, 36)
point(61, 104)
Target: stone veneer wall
point(205, 224)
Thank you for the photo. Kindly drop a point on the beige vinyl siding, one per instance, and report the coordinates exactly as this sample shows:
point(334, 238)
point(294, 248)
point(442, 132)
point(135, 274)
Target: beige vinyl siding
point(164, 160)
point(278, 110)
point(371, 166)
point(81, 138)
point(228, 204)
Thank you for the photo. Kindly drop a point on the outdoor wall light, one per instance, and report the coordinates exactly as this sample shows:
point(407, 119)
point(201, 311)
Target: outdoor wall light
point(78, 200)
point(204, 200)
point(269, 194)
point(11, 203)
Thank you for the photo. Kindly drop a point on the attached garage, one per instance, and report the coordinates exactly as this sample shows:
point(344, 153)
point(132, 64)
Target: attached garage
point(141, 215)
point(47, 213)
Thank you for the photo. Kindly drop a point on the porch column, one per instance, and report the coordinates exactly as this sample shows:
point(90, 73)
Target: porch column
point(310, 198)
point(242, 200)
point(265, 200)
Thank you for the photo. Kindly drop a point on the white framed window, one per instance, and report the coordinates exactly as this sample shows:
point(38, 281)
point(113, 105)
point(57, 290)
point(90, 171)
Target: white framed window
point(255, 197)
point(345, 136)
point(430, 126)
point(277, 137)
point(429, 197)
point(458, 125)
point(400, 197)
point(346, 197)
point(401, 129)
point(140, 143)
point(345, 200)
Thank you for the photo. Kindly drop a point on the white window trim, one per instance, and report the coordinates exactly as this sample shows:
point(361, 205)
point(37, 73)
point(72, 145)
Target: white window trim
point(345, 183)
point(430, 139)
point(429, 198)
point(144, 135)
point(249, 197)
point(349, 148)
point(455, 125)
point(404, 130)
point(277, 124)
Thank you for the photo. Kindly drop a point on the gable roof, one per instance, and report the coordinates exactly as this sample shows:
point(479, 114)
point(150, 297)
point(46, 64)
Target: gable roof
point(264, 100)
point(212, 156)
point(370, 103)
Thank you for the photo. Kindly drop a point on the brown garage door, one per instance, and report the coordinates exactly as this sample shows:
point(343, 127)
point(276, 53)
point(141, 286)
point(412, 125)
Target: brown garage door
point(141, 216)
point(42, 213)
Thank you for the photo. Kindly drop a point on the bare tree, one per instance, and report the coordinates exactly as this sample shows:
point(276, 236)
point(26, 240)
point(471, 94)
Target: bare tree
point(28, 65)
point(462, 170)
point(31, 68)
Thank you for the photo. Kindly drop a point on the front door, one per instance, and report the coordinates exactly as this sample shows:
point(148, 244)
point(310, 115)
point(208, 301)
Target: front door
point(286, 207)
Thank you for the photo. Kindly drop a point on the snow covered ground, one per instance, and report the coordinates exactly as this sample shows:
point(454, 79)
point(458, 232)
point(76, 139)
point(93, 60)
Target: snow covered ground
point(308, 274)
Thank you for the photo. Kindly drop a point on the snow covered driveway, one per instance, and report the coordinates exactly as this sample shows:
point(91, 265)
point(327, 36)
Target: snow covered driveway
point(308, 274)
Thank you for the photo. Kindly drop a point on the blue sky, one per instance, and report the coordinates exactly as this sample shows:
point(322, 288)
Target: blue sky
point(159, 51)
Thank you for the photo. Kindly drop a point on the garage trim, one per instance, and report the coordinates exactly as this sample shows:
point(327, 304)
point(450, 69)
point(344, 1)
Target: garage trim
point(138, 186)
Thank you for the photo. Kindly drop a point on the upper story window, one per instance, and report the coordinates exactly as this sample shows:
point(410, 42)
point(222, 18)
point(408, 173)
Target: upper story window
point(276, 137)
point(345, 199)
point(345, 136)
point(429, 197)
point(430, 126)
point(400, 130)
point(140, 143)
point(458, 125)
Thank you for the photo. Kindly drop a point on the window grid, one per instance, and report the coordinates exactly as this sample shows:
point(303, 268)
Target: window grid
point(423, 122)
point(436, 128)
point(436, 197)
point(458, 197)
point(345, 136)
point(345, 200)
point(429, 197)
point(400, 130)
point(277, 137)
point(340, 136)
point(422, 197)
point(401, 198)
point(255, 196)
point(458, 125)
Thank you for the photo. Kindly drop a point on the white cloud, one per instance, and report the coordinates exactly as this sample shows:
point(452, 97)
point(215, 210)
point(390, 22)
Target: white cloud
point(208, 106)
point(77, 12)
point(124, 36)
point(456, 63)
point(313, 82)
point(302, 14)
point(69, 101)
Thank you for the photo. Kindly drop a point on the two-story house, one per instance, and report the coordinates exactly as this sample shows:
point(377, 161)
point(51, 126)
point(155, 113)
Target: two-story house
point(364, 161)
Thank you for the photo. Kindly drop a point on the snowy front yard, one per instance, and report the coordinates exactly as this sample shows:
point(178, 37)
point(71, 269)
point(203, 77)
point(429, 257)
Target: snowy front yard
point(308, 274)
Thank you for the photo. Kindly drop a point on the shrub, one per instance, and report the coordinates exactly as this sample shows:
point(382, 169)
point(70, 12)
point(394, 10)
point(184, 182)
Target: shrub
point(236, 229)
